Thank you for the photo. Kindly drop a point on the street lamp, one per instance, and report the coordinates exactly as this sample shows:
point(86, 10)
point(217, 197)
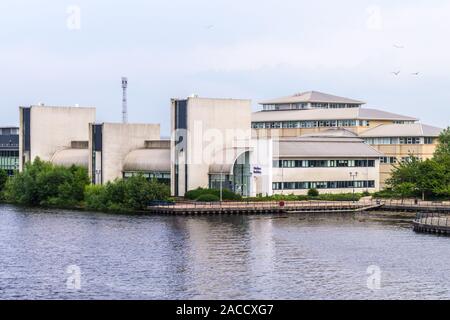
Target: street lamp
point(353, 175)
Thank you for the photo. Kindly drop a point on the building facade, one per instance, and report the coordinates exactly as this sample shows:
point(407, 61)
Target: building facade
point(395, 136)
point(331, 163)
point(9, 149)
point(212, 147)
point(118, 150)
point(56, 134)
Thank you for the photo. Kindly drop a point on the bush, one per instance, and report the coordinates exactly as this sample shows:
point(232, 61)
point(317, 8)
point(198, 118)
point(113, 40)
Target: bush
point(42, 183)
point(313, 192)
point(134, 193)
point(339, 197)
point(226, 194)
point(208, 198)
point(3, 180)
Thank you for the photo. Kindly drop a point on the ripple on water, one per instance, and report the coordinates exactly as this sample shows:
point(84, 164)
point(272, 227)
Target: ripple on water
point(215, 257)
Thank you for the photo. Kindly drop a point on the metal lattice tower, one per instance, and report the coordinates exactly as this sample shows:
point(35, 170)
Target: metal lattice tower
point(124, 100)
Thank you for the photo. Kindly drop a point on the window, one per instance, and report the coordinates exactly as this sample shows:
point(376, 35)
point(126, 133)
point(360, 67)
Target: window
point(409, 140)
point(302, 185)
point(323, 163)
point(428, 140)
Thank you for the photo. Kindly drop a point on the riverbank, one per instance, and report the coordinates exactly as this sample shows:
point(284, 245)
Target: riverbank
point(376, 208)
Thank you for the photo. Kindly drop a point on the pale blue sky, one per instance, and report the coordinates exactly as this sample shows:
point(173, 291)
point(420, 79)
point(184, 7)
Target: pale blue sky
point(256, 49)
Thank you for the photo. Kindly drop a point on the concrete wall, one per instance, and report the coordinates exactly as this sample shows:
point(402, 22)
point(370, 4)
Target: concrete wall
point(326, 174)
point(119, 140)
point(54, 128)
point(213, 124)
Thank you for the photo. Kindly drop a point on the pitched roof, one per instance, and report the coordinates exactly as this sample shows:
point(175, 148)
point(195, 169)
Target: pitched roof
point(312, 96)
point(333, 132)
point(402, 130)
point(328, 114)
point(324, 148)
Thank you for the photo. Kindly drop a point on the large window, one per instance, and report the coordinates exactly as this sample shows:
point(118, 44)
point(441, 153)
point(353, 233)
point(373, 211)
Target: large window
point(9, 160)
point(323, 163)
point(305, 124)
point(409, 140)
point(301, 185)
point(398, 140)
point(162, 177)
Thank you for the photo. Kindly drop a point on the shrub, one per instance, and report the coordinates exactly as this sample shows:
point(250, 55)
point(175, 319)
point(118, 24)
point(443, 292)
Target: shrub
point(226, 194)
point(42, 183)
point(134, 193)
point(339, 197)
point(313, 192)
point(208, 198)
point(3, 180)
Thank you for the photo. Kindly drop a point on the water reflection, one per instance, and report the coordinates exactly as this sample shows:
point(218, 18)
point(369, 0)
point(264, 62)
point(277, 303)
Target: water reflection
point(215, 257)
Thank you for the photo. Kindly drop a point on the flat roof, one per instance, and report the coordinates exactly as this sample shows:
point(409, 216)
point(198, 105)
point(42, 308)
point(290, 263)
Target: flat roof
point(402, 130)
point(312, 96)
point(328, 114)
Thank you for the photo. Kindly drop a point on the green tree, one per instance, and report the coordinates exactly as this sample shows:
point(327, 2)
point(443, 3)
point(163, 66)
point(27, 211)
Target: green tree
point(443, 147)
point(42, 183)
point(405, 189)
point(3, 179)
point(430, 176)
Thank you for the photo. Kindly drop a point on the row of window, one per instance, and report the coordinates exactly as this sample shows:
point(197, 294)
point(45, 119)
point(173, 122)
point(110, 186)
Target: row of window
point(9, 163)
point(309, 124)
point(388, 160)
point(400, 140)
point(287, 106)
point(149, 175)
point(9, 131)
point(322, 163)
point(303, 105)
point(323, 185)
point(334, 105)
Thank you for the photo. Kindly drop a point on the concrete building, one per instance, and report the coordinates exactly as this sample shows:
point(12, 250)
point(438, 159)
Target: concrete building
point(395, 136)
point(333, 162)
point(397, 142)
point(56, 134)
point(314, 112)
point(212, 147)
point(118, 150)
point(9, 149)
point(69, 136)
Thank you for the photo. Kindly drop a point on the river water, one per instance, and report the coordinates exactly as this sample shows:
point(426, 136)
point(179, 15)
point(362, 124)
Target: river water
point(54, 254)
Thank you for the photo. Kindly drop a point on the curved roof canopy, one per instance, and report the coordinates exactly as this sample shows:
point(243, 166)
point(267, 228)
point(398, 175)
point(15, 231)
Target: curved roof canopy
point(69, 157)
point(225, 159)
point(147, 160)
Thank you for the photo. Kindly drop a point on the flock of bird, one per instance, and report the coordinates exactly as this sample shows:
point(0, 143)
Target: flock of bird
point(396, 73)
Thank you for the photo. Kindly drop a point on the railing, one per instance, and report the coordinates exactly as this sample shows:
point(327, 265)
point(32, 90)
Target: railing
point(267, 205)
point(433, 219)
point(414, 202)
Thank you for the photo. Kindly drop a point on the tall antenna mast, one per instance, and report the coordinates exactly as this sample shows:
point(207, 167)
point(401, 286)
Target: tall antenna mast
point(124, 100)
